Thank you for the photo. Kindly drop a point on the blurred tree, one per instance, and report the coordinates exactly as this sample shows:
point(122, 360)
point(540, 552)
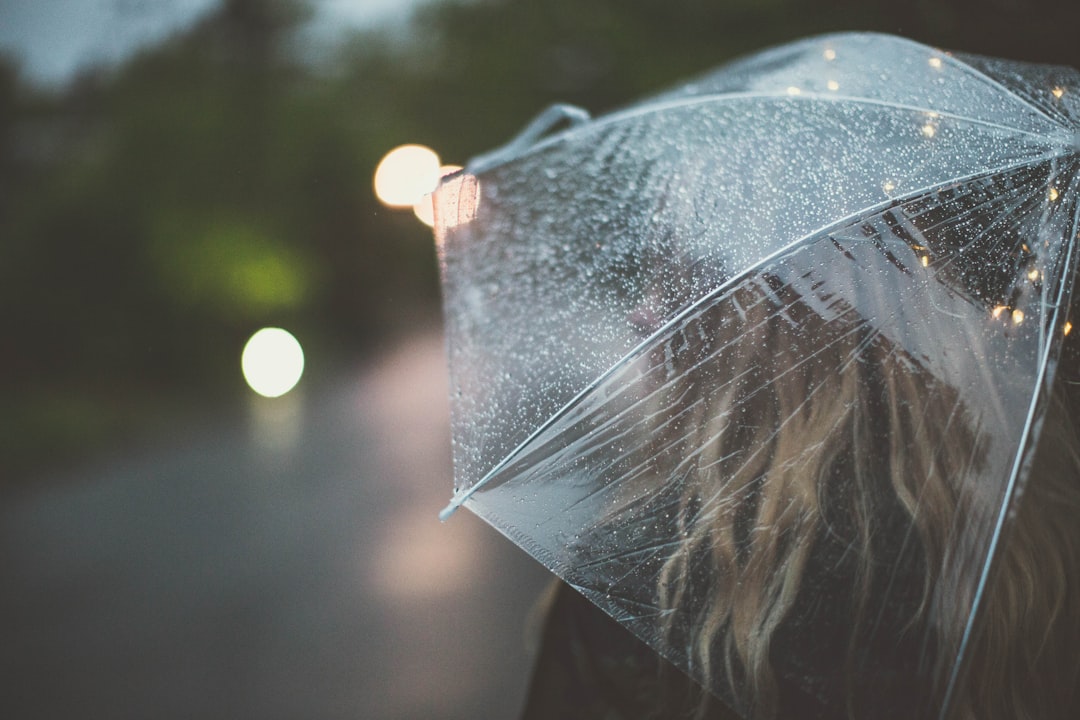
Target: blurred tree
point(150, 227)
point(153, 216)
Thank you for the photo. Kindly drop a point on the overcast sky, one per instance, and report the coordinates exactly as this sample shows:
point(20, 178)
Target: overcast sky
point(53, 38)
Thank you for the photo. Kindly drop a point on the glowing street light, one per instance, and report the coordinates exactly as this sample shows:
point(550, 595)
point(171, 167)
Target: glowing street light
point(272, 362)
point(405, 175)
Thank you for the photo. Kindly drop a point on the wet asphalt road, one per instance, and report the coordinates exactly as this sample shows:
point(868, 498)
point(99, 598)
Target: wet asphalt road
point(286, 565)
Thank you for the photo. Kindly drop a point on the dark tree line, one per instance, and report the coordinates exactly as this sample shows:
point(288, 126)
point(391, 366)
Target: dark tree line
point(154, 214)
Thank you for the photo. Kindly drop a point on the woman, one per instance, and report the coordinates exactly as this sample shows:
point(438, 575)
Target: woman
point(826, 481)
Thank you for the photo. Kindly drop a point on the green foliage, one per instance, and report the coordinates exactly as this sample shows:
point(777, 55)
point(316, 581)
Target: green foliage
point(152, 217)
point(231, 268)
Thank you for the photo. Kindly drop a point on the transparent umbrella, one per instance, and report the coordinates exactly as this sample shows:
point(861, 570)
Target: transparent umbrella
point(774, 368)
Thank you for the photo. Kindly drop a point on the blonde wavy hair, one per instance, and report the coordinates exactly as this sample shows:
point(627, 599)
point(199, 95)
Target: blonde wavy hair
point(825, 521)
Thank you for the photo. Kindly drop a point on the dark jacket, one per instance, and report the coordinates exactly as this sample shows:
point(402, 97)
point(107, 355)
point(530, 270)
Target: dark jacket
point(591, 668)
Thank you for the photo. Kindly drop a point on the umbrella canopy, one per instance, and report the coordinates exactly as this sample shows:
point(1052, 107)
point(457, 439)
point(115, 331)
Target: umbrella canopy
point(760, 366)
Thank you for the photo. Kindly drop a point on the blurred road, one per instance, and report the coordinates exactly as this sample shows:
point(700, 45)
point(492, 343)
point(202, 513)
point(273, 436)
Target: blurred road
point(289, 566)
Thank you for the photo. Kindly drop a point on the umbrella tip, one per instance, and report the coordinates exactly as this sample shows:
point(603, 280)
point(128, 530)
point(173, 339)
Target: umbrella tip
point(449, 510)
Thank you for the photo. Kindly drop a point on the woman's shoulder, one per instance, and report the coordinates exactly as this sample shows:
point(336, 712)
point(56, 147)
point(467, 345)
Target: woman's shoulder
point(589, 666)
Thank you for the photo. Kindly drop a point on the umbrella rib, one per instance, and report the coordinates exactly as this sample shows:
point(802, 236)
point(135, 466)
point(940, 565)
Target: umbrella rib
point(462, 496)
point(972, 71)
point(833, 98)
point(976, 72)
point(638, 112)
point(997, 85)
point(1019, 457)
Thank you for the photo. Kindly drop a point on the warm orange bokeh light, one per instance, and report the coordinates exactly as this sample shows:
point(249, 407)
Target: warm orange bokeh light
point(405, 175)
point(459, 201)
point(424, 208)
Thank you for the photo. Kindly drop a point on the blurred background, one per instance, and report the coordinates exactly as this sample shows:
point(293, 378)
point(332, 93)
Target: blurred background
point(176, 175)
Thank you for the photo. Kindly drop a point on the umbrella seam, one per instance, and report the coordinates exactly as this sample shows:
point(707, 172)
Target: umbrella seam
point(1036, 400)
point(485, 164)
point(952, 60)
point(947, 55)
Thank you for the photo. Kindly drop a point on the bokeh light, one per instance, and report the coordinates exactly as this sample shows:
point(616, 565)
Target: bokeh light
point(272, 362)
point(405, 175)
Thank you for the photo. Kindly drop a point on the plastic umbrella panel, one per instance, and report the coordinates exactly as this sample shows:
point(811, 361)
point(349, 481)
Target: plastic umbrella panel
point(757, 366)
